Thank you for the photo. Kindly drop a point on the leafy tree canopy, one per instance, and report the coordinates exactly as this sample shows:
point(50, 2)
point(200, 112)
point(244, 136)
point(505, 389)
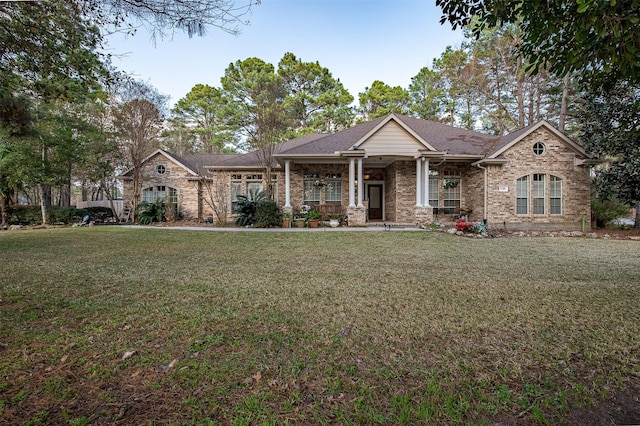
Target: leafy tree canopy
point(598, 38)
point(315, 100)
point(611, 129)
point(381, 99)
point(256, 102)
point(204, 108)
point(49, 50)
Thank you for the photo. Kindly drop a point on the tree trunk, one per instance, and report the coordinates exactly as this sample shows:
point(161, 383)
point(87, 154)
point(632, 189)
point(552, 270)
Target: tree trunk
point(4, 211)
point(637, 224)
point(107, 192)
point(520, 92)
point(563, 104)
point(65, 195)
point(45, 201)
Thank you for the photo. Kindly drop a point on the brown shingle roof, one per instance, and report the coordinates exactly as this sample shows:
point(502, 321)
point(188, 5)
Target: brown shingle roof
point(442, 137)
point(452, 140)
point(198, 162)
point(340, 141)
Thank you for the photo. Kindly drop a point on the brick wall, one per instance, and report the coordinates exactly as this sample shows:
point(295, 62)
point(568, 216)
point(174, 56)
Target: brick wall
point(558, 160)
point(405, 191)
point(176, 177)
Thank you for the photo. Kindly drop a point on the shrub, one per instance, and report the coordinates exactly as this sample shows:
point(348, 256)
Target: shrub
point(98, 213)
point(268, 214)
point(25, 215)
point(247, 205)
point(32, 214)
point(147, 213)
point(604, 211)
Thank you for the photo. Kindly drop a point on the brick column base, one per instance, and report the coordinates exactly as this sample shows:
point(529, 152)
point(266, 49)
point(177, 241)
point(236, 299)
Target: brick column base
point(357, 216)
point(423, 215)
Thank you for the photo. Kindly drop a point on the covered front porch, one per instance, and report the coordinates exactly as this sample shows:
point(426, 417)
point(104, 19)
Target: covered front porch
point(382, 189)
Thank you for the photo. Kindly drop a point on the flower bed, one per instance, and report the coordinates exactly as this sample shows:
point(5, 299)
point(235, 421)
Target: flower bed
point(471, 227)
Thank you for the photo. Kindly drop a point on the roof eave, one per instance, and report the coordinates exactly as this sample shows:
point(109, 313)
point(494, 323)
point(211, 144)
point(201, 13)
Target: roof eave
point(462, 157)
point(490, 161)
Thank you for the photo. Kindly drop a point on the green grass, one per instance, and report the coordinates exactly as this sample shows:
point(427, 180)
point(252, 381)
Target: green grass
point(322, 328)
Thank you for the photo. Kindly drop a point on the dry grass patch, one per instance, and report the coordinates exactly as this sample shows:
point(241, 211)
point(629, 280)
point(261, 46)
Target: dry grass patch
point(350, 328)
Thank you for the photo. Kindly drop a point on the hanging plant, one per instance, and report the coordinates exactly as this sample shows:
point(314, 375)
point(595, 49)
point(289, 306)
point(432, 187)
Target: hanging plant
point(451, 183)
point(320, 183)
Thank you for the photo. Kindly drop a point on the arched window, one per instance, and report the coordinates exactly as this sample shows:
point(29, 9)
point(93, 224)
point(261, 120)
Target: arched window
point(538, 193)
point(155, 193)
point(533, 190)
point(555, 195)
point(522, 195)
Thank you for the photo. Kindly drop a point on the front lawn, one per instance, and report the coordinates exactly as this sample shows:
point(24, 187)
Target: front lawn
point(153, 326)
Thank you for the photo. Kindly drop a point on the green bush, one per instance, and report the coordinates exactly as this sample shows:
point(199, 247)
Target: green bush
point(32, 215)
point(247, 206)
point(268, 214)
point(25, 215)
point(604, 211)
point(102, 214)
point(147, 213)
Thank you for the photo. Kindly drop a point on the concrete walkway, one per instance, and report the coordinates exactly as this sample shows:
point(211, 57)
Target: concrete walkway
point(376, 228)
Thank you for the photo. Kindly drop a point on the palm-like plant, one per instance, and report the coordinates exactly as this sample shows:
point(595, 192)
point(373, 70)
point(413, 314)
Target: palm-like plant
point(247, 205)
point(147, 212)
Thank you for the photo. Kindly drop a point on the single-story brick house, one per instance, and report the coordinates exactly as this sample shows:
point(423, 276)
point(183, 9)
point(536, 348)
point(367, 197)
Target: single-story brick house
point(396, 169)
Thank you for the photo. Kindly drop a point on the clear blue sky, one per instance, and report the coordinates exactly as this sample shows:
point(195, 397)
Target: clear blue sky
point(359, 41)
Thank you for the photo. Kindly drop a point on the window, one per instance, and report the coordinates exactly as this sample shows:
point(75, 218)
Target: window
point(311, 192)
point(451, 194)
point(155, 193)
point(434, 189)
point(160, 169)
point(254, 184)
point(522, 195)
point(147, 195)
point(541, 193)
point(333, 188)
point(235, 189)
point(161, 192)
point(274, 187)
point(555, 195)
point(333, 192)
point(538, 148)
point(253, 188)
point(538, 194)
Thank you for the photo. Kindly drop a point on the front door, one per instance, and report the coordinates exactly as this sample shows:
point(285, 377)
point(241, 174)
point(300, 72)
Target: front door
point(374, 194)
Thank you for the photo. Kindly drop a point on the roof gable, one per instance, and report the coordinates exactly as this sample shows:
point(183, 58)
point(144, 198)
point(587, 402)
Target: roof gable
point(392, 137)
point(171, 157)
point(511, 139)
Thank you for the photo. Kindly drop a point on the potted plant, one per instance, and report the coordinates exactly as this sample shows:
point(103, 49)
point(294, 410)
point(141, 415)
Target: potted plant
point(286, 220)
point(314, 218)
point(343, 220)
point(334, 221)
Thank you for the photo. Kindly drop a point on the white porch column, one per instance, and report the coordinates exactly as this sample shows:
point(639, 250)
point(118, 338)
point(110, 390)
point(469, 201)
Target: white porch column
point(418, 182)
point(426, 183)
point(360, 183)
point(287, 183)
point(352, 182)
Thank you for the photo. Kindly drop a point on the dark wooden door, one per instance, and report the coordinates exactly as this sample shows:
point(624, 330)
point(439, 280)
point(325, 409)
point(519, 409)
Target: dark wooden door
point(374, 194)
